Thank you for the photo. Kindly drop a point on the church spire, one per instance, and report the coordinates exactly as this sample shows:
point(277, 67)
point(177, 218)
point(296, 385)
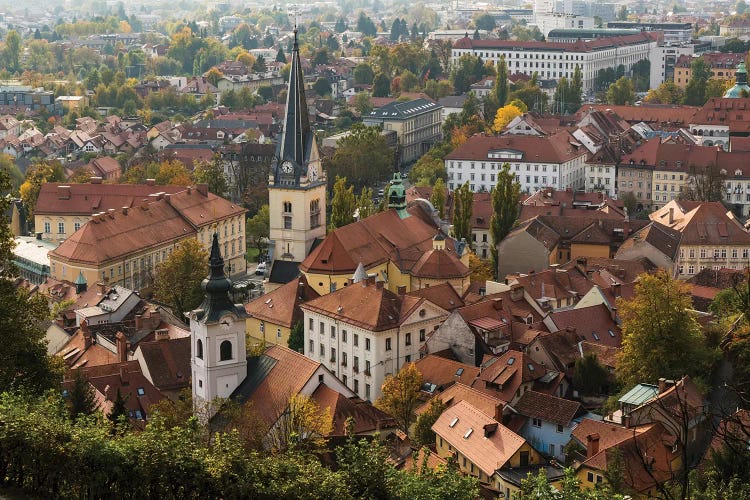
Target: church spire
point(296, 138)
point(216, 287)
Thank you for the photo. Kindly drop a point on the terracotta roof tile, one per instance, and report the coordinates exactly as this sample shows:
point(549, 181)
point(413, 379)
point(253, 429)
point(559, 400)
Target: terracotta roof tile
point(558, 148)
point(548, 408)
point(443, 372)
point(487, 404)
point(167, 362)
point(86, 199)
point(282, 306)
point(443, 295)
point(593, 323)
point(483, 440)
point(366, 417)
point(502, 376)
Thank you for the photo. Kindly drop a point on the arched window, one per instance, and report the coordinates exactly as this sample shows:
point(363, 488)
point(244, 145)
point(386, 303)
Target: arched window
point(225, 351)
point(199, 349)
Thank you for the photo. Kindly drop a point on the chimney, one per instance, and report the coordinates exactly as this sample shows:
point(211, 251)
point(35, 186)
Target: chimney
point(138, 322)
point(402, 289)
point(189, 190)
point(613, 313)
point(102, 288)
point(592, 445)
point(122, 347)
point(124, 374)
point(96, 180)
point(379, 284)
point(662, 385)
point(671, 215)
point(370, 280)
point(161, 334)
point(202, 189)
point(124, 210)
point(489, 429)
point(87, 340)
point(150, 182)
point(499, 411)
point(497, 304)
point(616, 289)
point(63, 192)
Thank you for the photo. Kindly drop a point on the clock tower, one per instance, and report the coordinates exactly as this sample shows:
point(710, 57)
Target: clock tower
point(217, 334)
point(297, 184)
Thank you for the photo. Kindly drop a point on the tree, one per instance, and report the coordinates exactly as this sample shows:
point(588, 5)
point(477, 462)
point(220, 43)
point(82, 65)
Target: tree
point(485, 21)
point(500, 89)
point(504, 116)
point(666, 93)
point(36, 175)
point(717, 87)
point(280, 56)
point(119, 413)
point(469, 69)
point(695, 91)
point(258, 227)
point(428, 170)
point(481, 270)
point(363, 74)
point(399, 396)
point(302, 426)
point(589, 376)
point(178, 278)
point(363, 157)
point(297, 337)
point(621, 92)
point(463, 199)
point(13, 49)
point(212, 174)
point(660, 335)
point(343, 204)
point(423, 433)
point(641, 71)
point(705, 184)
point(381, 86)
point(213, 75)
point(506, 197)
point(322, 87)
point(81, 399)
point(365, 204)
point(363, 103)
point(366, 26)
point(438, 197)
point(622, 14)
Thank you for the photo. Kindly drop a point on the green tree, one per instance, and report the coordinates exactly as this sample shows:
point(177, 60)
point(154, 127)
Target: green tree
point(399, 396)
point(463, 199)
point(365, 204)
point(212, 173)
point(36, 175)
point(438, 196)
point(423, 433)
point(621, 92)
point(506, 197)
point(661, 337)
point(381, 86)
point(622, 14)
point(469, 69)
point(297, 337)
point(178, 278)
point(362, 157)
point(363, 74)
point(343, 204)
point(428, 170)
point(589, 376)
point(119, 413)
point(13, 50)
point(81, 399)
point(641, 71)
point(363, 103)
point(695, 91)
point(500, 88)
point(280, 56)
point(258, 227)
point(322, 87)
point(666, 93)
point(365, 25)
point(484, 21)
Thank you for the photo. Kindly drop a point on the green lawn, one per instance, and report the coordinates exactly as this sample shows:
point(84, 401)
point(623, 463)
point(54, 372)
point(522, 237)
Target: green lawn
point(252, 254)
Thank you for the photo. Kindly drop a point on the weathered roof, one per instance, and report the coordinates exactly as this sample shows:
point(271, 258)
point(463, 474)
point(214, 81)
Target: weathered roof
point(282, 306)
point(546, 407)
point(557, 148)
point(87, 199)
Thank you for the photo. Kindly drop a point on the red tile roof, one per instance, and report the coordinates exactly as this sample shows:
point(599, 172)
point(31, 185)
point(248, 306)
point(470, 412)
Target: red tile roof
point(87, 199)
point(548, 408)
point(443, 372)
point(593, 323)
point(558, 148)
point(577, 46)
point(366, 417)
point(167, 362)
point(701, 223)
point(282, 306)
point(487, 404)
point(503, 375)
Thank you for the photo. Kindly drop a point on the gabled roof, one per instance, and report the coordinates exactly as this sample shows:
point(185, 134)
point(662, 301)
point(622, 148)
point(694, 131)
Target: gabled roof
point(507, 372)
point(593, 323)
point(557, 148)
point(440, 264)
point(701, 223)
point(487, 404)
point(366, 417)
point(481, 439)
point(548, 408)
point(86, 199)
point(443, 295)
point(167, 362)
point(661, 237)
point(443, 372)
point(282, 306)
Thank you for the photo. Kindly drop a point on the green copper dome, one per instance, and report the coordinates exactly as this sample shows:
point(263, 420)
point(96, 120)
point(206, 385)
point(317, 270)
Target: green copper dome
point(397, 196)
point(739, 89)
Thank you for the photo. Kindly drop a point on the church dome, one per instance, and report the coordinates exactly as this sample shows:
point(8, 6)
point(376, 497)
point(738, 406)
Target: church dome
point(740, 88)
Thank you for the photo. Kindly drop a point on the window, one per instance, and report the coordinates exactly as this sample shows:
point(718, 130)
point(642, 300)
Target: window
point(61, 227)
point(407, 358)
point(355, 340)
point(76, 226)
point(552, 449)
point(367, 367)
point(590, 477)
point(343, 358)
point(388, 344)
point(422, 335)
point(367, 391)
point(141, 391)
point(333, 332)
point(47, 228)
point(536, 422)
point(199, 349)
point(311, 324)
point(333, 354)
point(559, 428)
point(344, 379)
point(367, 344)
point(343, 336)
point(225, 351)
point(356, 387)
point(407, 339)
point(278, 333)
point(356, 364)
point(322, 350)
point(322, 328)
point(311, 346)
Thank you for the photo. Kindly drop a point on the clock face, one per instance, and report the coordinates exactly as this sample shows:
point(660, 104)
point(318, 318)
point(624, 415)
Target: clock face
point(287, 167)
point(313, 172)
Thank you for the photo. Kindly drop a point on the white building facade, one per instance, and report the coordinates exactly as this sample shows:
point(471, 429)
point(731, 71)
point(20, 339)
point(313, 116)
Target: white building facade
point(556, 60)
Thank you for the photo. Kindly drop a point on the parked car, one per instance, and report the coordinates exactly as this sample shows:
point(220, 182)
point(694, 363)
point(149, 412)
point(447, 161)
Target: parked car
point(261, 269)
